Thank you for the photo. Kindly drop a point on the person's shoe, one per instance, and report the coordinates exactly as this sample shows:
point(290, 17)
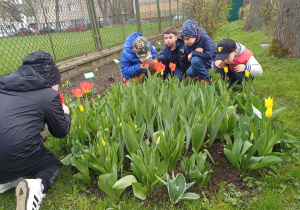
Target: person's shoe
point(29, 194)
point(9, 185)
point(207, 81)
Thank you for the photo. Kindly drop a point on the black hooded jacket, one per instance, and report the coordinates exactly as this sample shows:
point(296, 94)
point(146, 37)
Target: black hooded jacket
point(27, 102)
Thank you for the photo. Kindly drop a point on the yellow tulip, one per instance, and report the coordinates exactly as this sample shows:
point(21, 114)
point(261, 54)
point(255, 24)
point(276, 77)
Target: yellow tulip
point(269, 102)
point(269, 113)
point(162, 73)
point(81, 108)
point(103, 142)
point(226, 69)
point(247, 73)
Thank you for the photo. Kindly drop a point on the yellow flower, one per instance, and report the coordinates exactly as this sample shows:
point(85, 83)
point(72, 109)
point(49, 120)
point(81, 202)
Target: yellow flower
point(269, 113)
point(269, 102)
point(162, 73)
point(247, 73)
point(103, 142)
point(226, 69)
point(81, 108)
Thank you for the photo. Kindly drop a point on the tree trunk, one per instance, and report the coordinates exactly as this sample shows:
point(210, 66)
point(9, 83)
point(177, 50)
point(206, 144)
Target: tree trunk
point(254, 19)
point(245, 4)
point(286, 40)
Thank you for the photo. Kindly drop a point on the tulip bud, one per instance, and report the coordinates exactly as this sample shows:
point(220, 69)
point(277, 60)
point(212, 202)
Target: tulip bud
point(81, 108)
point(226, 69)
point(103, 142)
point(147, 142)
point(158, 140)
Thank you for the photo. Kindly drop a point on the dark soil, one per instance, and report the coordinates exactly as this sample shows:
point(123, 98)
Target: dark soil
point(223, 171)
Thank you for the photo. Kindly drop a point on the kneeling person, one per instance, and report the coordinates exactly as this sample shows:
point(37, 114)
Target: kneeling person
point(237, 60)
point(29, 100)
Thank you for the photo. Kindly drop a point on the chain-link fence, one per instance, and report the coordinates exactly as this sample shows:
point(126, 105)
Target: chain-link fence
point(70, 28)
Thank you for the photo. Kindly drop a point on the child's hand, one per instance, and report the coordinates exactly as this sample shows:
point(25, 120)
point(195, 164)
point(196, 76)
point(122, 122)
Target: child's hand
point(199, 50)
point(239, 67)
point(220, 64)
point(144, 66)
point(66, 109)
point(190, 56)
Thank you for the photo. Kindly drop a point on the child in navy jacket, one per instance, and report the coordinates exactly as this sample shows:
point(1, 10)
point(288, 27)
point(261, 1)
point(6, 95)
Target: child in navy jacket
point(201, 50)
point(174, 52)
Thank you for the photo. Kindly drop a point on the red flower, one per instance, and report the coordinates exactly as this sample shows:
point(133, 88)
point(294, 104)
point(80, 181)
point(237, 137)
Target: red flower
point(209, 25)
point(160, 66)
point(172, 66)
point(224, 5)
point(77, 92)
point(61, 98)
point(145, 63)
point(86, 86)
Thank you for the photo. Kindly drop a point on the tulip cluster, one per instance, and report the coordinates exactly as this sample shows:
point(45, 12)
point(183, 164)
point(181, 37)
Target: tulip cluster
point(269, 105)
point(86, 87)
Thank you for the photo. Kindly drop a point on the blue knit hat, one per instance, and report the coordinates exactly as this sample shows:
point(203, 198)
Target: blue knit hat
point(189, 29)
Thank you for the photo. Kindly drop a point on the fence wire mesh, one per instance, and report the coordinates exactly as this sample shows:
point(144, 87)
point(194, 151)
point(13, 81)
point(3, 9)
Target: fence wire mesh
point(68, 28)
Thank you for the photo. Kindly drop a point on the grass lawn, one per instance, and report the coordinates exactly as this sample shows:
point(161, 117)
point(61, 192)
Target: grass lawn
point(64, 45)
point(278, 186)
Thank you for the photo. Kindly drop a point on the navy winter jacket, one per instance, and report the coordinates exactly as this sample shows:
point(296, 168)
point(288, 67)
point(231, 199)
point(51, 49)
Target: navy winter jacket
point(130, 63)
point(205, 42)
point(167, 56)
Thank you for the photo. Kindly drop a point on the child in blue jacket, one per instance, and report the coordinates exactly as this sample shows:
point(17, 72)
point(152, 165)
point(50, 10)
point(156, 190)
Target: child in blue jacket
point(174, 52)
point(201, 50)
point(137, 49)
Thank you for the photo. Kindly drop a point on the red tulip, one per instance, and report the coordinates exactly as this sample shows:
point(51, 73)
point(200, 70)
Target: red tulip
point(77, 92)
point(86, 86)
point(61, 98)
point(209, 25)
point(145, 63)
point(172, 66)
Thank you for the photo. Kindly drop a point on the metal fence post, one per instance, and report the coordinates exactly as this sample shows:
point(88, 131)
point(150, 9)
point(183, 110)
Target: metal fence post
point(94, 24)
point(170, 6)
point(138, 17)
point(158, 14)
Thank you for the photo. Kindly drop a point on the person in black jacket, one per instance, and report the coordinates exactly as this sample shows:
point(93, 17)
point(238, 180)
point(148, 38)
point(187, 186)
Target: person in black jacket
point(174, 52)
point(29, 100)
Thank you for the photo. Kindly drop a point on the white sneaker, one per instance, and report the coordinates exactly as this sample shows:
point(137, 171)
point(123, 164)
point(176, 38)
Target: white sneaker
point(9, 185)
point(29, 194)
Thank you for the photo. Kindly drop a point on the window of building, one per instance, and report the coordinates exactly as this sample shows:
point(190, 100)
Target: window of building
point(60, 9)
point(71, 7)
point(46, 10)
point(62, 24)
point(74, 22)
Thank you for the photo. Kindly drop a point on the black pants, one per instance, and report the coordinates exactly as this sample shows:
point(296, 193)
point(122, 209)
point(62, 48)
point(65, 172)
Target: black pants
point(232, 77)
point(47, 169)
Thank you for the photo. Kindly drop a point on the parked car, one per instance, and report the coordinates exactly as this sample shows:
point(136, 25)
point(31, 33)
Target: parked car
point(46, 30)
point(26, 31)
point(77, 27)
point(134, 21)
